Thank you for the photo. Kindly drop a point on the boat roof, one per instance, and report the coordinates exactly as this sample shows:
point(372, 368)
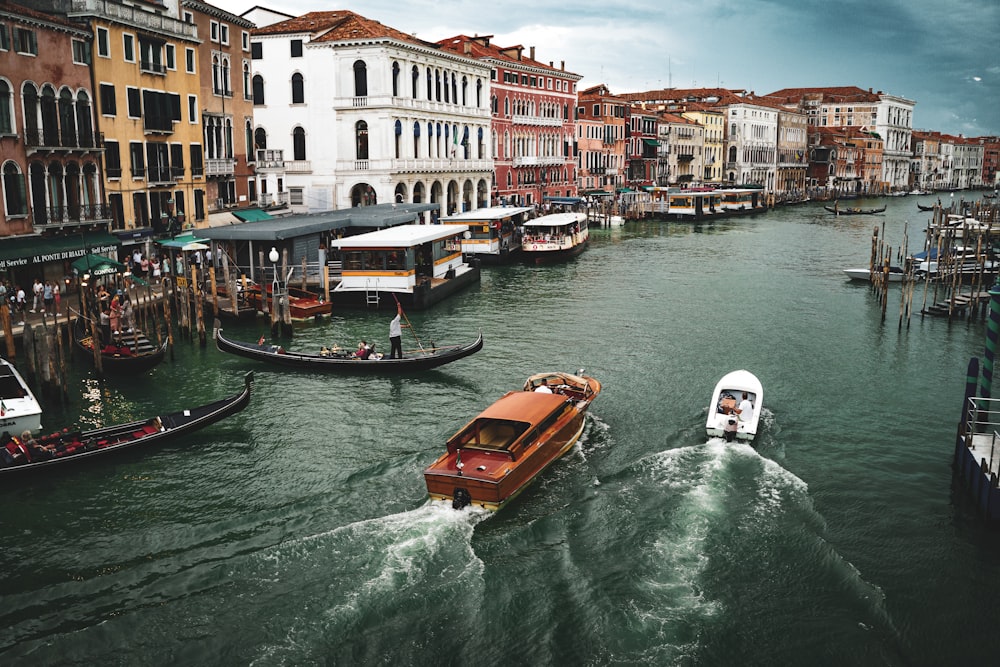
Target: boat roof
point(486, 214)
point(555, 220)
point(741, 380)
point(403, 236)
point(524, 406)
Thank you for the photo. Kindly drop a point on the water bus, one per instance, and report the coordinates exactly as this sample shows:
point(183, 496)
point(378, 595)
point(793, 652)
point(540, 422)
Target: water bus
point(555, 237)
point(493, 235)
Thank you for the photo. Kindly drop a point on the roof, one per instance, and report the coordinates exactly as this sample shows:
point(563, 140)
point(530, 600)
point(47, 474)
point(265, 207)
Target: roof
point(479, 47)
point(278, 229)
point(488, 213)
point(554, 220)
point(338, 26)
point(402, 236)
point(524, 406)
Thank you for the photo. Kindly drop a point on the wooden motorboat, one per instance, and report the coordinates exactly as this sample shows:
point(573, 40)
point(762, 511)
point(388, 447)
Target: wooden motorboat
point(853, 210)
point(555, 237)
point(19, 409)
point(896, 274)
point(126, 352)
point(302, 304)
point(342, 361)
point(726, 417)
point(508, 445)
point(46, 452)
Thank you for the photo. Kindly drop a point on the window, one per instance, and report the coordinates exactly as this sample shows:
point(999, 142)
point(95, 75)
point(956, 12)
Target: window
point(188, 17)
point(256, 51)
point(395, 79)
point(4, 37)
point(258, 89)
point(134, 105)
point(225, 34)
point(171, 56)
point(136, 160)
point(360, 79)
point(13, 190)
point(361, 139)
point(247, 89)
point(245, 36)
point(189, 60)
point(128, 44)
point(298, 89)
point(199, 204)
point(81, 52)
point(108, 106)
point(112, 160)
point(6, 116)
point(197, 165)
point(192, 108)
point(214, 31)
point(296, 47)
point(25, 41)
point(298, 144)
point(160, 110)
point(296, 196)
point(151, 55)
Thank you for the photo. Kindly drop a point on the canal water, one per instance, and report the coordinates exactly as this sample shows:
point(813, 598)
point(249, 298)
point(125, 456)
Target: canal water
point(298, 532)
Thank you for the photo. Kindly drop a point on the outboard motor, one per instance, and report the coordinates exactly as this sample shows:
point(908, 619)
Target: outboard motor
point(461, 498)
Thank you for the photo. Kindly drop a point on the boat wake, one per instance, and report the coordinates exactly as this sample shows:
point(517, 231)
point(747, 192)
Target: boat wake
point(414, 566)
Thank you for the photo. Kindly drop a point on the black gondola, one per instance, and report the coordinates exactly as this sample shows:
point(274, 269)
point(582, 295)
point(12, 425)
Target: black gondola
point(343, 362)
point(854, 210)
point(48, 451)
point(925, 208)
point(127, 353)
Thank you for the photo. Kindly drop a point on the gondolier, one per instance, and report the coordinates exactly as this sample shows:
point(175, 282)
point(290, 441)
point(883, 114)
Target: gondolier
point(396, 334)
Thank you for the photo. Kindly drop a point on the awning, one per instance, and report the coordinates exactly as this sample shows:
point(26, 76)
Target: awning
point(569, 201)
point(131, 236)
point(97, 265)
point(224, 218)
point(181, 240)
point(596, 193)
point(252, 215)
point(651, 142)
point(25, 250)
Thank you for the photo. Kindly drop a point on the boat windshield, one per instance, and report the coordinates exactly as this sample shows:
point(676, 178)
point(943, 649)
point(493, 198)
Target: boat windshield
point(10, 388)
point(495, 434)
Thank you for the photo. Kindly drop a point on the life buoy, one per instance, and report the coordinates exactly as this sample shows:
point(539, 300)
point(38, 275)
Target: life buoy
point(534, 247)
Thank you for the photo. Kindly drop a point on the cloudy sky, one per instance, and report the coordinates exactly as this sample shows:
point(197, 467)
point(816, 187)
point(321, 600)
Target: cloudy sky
point(944, 55)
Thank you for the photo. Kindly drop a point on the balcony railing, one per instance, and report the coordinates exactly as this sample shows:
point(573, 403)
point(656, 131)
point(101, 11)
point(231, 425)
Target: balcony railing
point(43, 139)
point(273, 199)
point(152, 67)
point(220, 166)
point(77, 214)
point(517, 119)
point(298, 166)
point(539, 160)
point(138, 172)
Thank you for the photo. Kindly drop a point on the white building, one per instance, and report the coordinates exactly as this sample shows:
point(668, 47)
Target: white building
point(751, 144)
point(350, 112)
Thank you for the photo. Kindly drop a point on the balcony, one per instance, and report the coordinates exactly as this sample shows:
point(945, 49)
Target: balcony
point(298, 167)
point(417, 165)
point(159, 176)
point(269, 160)
point(153, 67)
point(536, 120)
point(55, 217)
point(220, 167)
point(277, 199)
point(539, 160)
point(47, 141)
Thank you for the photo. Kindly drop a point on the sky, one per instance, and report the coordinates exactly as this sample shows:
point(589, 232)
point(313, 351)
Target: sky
point(943, 55)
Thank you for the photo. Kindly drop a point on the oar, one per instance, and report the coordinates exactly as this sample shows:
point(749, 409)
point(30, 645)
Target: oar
point(410, 326)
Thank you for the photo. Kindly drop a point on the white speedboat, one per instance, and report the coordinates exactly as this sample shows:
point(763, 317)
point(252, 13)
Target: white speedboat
point(896, 274)
point(19, 410)
point(734, 412)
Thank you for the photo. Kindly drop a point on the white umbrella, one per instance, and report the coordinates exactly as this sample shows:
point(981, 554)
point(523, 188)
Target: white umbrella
point(194, 246)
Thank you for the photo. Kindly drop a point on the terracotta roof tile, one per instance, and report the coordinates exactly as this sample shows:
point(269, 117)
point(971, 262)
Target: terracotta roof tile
point(480, 47)
point(337, 26)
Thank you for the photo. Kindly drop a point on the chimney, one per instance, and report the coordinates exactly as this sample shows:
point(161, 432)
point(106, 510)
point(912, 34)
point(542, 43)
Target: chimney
point(531, 51)
point(467, 48)
point(562, 65)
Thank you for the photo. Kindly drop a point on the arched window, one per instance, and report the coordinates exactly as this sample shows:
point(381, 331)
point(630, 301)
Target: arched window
point(227, 85)
point(13, 190)
point(430, 85)
point(479, 94)
point(246, 82)
point(465, 91)
point(248, 140)
point(415, 75)
point(50, 117)
point(416, 139)
point(454, 87)
point(395, 79)
point(506, 106)
point(258, 89)
point(6, 111)
point(298, 89)
point(260, 139)
point(298, 144)
point(437, 86)
point(29, 94)
point(216, 76)
point(398, 138)
point(84, 122)
point(447, 98)
point(360, 79)
point(361, 139)
point(67, 121)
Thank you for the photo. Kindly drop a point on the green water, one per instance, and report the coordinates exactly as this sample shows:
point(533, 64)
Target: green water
point(298, 531)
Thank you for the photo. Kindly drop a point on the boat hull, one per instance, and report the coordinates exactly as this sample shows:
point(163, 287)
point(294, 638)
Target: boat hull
point(895, 275)
point(145, 357)
point(19, 409)
point(553, 256)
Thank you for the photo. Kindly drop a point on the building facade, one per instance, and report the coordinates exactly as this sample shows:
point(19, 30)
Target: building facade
point(598, 105)
point(681, 151)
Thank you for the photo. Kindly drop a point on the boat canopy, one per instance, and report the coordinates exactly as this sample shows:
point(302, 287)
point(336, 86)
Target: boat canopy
point(402, 236)
point(554, 220)
point(489, 214)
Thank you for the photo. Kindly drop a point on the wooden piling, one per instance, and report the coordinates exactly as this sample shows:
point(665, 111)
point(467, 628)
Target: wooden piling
point(8, 330)
point(198, 315)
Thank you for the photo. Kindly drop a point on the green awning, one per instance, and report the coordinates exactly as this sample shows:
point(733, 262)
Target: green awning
point(252, 215)
point(25, 250)
point(97, 265)
point(182, 240)
point(651, 142)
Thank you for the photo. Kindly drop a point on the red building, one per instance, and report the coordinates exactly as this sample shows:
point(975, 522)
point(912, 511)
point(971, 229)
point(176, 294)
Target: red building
point(532, 124)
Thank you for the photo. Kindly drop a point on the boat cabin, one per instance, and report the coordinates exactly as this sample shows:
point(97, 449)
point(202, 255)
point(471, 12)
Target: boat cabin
point(558, 231)
point(512, 424)
point(689, 203)
point(493, 232)
point(741, 199)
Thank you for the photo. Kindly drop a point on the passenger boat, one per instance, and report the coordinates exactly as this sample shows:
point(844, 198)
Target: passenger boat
point(493, 235)
point(19, 409)
point(128, 352)
point(725, 418)
point(507, 446)
point(555, 237)
point(416, 265)
point(302, 304)
point(853, 210)
point(64, 447)
point(341, 360)
point(896, 274)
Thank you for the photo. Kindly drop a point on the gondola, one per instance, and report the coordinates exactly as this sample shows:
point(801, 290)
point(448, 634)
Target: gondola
point(854, 210)
point(338, 361)
point(127, 353)
point(925, 208)
point(49, 451)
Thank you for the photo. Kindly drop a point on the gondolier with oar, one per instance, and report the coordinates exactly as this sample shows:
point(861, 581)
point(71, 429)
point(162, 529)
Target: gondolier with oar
point(396, 333)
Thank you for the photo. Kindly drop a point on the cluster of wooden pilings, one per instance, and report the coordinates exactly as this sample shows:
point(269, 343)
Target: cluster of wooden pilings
point(959, 288)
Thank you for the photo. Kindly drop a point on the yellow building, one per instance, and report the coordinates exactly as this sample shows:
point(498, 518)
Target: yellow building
point(714, 121)
point(146, 80)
